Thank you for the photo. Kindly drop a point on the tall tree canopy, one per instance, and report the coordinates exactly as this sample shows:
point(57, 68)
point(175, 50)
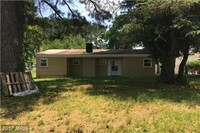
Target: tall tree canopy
point(168, 28)
point(53, 33)
point(97, 9)
point(19, 17)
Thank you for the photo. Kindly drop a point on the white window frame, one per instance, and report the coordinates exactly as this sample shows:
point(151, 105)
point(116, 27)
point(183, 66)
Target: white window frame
point(102, 62)
point(150, 63)
point(75, 60)
point(46, 62)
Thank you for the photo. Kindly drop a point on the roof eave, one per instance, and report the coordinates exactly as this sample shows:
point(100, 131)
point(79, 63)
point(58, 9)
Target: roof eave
point(94, 55)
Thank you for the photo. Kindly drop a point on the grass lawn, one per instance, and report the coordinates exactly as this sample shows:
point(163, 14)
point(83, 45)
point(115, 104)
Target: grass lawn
point(116, 104)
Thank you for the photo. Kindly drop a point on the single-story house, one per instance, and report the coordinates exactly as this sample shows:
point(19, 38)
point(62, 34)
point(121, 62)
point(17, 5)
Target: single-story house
point(94, 63)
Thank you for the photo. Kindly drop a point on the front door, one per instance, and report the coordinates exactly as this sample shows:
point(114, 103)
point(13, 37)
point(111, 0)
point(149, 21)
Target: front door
point(114, 67)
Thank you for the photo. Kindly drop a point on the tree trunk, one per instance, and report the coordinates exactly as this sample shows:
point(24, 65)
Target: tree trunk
point(167, 71)
point(168, 64)
point(183, 63)
point(12, 20)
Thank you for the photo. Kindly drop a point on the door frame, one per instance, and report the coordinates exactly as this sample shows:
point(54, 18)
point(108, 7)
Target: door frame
point(117, 63)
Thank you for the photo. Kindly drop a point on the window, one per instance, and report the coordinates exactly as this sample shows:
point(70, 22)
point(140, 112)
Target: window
point(147, 62)
point(102, 62)
point(75, 61)
point(43, 62)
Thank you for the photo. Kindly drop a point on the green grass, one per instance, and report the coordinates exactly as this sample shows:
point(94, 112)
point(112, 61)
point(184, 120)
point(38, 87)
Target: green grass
point(33, 72)
point(106, 105)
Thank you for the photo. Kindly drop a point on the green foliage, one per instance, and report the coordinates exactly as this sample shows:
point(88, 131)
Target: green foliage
point(124, 37)
point(30, 13)
point(166, 28)
point(122, 34)
point(68, 42)
point(34, 38)
point(55, 44)
point(151, 22)
point(58, 29)
point(193, 65)
point(96, 34)
point(72, 33)
point(73, 42)
point(53, 33)
point(167, 22)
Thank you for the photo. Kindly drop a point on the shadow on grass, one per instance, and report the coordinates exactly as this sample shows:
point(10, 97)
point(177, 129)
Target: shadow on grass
point(140, 94)
point(50, 91)
point(145, 90)
point(135, 89)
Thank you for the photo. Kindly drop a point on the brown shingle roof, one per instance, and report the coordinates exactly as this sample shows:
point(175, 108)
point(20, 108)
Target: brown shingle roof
point(96, 52)
point(124, 51)
point(68, 51)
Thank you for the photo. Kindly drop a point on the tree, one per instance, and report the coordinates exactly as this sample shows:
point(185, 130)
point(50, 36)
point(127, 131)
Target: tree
point(12, 27)
point(95, 33)
point(123, 33)
point(97, 9)
point(16, 16)
point(73, 42)
point(55, 44)
point(34, 39)
point(34, 36)
point(58, 29)
point(189, 29)
point(68, 42)
point(53, 33)
point(166, 26)
point(127, 6)
point(168, 29)
point(13, 20)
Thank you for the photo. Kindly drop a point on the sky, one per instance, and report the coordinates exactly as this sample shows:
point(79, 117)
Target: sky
point(47, 11)
point(80, 7)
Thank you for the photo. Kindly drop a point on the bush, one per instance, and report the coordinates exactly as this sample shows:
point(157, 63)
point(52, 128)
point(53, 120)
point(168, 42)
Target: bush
point(193, 66)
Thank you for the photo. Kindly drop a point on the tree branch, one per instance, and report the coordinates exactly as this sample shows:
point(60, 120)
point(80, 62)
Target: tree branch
point(53, 7)
point(73, 14)
point(95, 6)
point(40, 9)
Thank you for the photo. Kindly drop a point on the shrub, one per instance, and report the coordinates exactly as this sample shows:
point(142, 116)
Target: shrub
point(193, 66)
